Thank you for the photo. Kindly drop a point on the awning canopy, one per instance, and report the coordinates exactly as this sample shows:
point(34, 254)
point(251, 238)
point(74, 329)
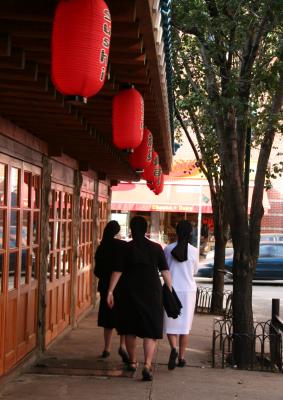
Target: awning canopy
point(174, 198)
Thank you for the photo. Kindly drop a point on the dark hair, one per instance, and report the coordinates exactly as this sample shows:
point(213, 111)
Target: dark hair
point(138, 226)
point(111, 229)
point(184, 230)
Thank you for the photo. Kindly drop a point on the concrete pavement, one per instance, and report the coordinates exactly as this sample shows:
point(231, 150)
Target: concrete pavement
point(72, 370)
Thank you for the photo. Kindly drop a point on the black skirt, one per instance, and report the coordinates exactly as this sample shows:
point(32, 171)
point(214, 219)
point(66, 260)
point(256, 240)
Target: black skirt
point(106, 315)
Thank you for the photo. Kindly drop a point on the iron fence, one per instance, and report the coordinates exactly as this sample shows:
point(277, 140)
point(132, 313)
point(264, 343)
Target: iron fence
point(262, 343)
point(204, 298)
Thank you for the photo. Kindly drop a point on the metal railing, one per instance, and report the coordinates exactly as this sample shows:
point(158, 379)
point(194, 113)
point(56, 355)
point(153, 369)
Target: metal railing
point(204, 297)
point(266, 343)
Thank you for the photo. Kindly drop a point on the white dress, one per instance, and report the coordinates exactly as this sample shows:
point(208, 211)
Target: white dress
point(185, 286)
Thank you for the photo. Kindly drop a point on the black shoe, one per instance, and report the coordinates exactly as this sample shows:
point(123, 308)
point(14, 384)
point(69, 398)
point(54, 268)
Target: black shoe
point(172, 359)
point(105, 354)
point(182, 362)
point(146, 374)
point(122, 352)
point(132, 366)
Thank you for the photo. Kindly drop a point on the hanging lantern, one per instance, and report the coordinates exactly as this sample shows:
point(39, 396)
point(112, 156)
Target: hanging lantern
point(160, 185)
point(157, 172)
point(80, 46)
point(127, 119)
point(142, 155)
point(148, 174)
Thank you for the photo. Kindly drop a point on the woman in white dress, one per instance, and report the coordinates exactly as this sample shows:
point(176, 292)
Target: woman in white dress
point(182, 259)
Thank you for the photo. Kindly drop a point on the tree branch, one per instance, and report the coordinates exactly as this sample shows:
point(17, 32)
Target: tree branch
point(212, 8)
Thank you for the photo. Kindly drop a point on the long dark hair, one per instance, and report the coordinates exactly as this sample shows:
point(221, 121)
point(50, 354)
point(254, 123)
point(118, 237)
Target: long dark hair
point(184, 232)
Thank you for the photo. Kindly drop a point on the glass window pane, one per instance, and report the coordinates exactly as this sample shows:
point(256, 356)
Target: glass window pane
point(62, 259)
point(68, 262)
point(55, 267)
point(58, 234)
point(63, 235)
point(2, 185)
point(36, 191)
point(50, 235)
point(69, 216)
point(52, 202)
point(35, 228)
point(2, 227)
point(58, 204)
point(13, 262)
point(25, 228)
point(1, 271)
point(14, 187)
point(24, 267)
point(26, 190)
point(49, 266)
point(34, 262)
point(13, 235)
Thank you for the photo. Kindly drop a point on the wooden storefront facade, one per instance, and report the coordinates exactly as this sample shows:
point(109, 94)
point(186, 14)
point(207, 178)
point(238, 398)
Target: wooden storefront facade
point(57, 167)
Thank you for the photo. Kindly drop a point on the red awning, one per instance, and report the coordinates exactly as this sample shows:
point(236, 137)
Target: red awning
point(174, 198)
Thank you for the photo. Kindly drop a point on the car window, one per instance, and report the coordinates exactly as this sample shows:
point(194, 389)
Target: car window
point(267, 251)
point(279, 251)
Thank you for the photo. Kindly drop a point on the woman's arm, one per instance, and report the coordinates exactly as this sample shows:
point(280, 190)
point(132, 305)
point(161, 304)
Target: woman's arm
point(113, 282)
point(166, 275)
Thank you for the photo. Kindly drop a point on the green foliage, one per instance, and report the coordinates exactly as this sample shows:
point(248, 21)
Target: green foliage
point(228, 57)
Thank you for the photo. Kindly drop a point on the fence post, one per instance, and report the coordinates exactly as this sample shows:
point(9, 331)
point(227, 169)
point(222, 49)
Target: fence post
point(275, 345)
point(275, 311)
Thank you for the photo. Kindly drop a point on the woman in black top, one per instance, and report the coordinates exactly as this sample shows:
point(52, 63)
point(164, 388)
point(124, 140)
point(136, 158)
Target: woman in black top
point(139, 305)
point(108, 256)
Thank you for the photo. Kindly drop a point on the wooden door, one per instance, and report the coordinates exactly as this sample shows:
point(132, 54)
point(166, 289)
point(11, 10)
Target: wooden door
point(58, 290)
point(85, 259)
point(103, 217)
point(19, 256)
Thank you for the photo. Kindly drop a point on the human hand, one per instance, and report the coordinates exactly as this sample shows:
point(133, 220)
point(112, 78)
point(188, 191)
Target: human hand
point(110, 299)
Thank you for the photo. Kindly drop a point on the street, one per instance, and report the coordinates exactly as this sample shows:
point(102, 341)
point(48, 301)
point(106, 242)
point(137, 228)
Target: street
point(262, 298)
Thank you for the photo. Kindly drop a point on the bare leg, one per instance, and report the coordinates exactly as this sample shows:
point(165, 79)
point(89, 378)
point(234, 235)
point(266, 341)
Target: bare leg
point(122, 351)
point(148, 349)
point(172, 339)
point(183, 343)
point(123, 342)
point(131, 347)
point(107, 339)
point(173, 354)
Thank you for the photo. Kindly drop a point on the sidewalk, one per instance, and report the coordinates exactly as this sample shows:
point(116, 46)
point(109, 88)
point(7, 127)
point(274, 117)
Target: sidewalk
point(72, 370)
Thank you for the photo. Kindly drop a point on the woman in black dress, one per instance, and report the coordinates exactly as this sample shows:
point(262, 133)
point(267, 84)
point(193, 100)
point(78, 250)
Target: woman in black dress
point(139, 304)
point(107, 256)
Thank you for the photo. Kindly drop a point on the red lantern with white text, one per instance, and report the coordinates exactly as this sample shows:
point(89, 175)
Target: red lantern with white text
point(142, 155)
point(148, 173)
point(160, 185)
point(80, 46)
point(128, 119)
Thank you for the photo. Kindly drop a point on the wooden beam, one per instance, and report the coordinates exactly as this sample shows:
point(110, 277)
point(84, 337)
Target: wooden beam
point(54, 150)
point(84, 166)
point(5, 44)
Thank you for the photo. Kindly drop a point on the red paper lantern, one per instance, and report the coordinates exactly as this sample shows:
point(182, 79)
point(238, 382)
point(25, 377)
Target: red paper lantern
point(127, 119)
point(160, 185)
point(142, 155)
point(157, 172)
point(148, 174)
point(80, 46)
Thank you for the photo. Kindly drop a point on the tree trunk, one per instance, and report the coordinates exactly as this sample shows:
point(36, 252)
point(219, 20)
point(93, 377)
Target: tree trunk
point(243, 350)
point(218, 274)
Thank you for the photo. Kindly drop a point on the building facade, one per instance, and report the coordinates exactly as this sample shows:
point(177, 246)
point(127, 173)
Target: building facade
point(58, 164)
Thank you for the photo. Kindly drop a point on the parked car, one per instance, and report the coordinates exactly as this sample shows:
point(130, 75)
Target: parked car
point(271, 237)
point(269, 264)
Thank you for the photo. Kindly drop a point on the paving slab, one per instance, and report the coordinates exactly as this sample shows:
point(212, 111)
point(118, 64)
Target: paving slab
point(71, 369)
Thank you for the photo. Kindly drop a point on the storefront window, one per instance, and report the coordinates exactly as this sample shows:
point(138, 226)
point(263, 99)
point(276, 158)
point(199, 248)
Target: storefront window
point(14, 187)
